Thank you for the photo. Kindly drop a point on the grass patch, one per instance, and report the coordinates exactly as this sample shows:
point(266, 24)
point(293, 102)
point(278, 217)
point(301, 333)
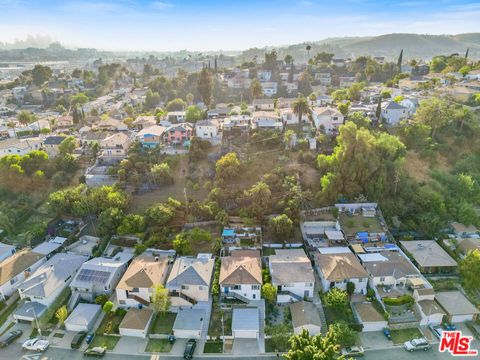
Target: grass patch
point(163, 323)
point(268, 251)
point(400, 336)
point(213, 347)
point(444, 284)
point(158, 345)
point(7, 328)
point(215, 326)
point(357, 223)
point(271, 348)
point(6, 313)
point(58, 335)
point(334, 315)
point(106, 341)
point(110, 323)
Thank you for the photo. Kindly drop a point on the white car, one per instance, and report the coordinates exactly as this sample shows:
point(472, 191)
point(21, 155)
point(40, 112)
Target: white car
point(36, 344)
point(436, 330)
point(353, 351)
point(417, 344)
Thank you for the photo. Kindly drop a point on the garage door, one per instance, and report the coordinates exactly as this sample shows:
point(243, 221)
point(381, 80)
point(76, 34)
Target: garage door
point(461, 318)
point(245, 334)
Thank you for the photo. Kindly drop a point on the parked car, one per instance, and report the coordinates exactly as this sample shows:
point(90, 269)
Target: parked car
point(449, 327)
point(436, 330)
point(8, 338)
point(353, 351)
point(387, 333)
point(189, 349)
point(36, 344)
point(416, 344)
point(90, 337)
point(97, 351)
point(78, 340)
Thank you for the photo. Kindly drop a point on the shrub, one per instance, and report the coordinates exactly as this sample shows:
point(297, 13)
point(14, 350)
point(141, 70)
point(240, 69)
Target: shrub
point(401, 300)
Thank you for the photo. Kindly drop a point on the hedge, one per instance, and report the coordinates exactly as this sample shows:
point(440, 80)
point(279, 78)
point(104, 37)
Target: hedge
point(401, 300)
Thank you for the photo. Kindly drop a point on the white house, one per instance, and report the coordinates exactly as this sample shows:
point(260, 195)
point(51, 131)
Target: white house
point(51, 278)
point(292, 275)
point(6, 251)
point(411, 103)
point(338, 269)
point(206, 129)
point(305, 316)
point(393, 113)
point(269, 88)
point(328, 118)
point(16, 268)
point(264, 104)
point(136, 322)
point(99, 276)
point(19, 146)
point(51, 145)
point(289, 117)
point(266, 120)
point(241, 277)
point(135, 287)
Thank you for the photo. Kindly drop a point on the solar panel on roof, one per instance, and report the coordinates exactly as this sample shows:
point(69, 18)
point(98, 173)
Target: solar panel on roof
point(95, 276)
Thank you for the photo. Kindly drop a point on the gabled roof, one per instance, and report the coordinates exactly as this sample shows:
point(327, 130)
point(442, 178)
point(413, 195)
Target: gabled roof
point(304, 313)
point(144, 272)
point(191, 271)
point(392, 263)
point(155, 130)
point(137, 319)
point(290, 266)
point(54, 140)
point(326, 111)
point(427, 253)
point(52, 275)
point(241, 270)
point(455, 303)
point(17, 263)
point(392, 105)
point(337, 267)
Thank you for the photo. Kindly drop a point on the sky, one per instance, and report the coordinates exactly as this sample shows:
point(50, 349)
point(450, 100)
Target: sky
point(171, 25)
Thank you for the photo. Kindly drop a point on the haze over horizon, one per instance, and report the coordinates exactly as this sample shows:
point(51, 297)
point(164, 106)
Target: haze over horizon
point(216, 25)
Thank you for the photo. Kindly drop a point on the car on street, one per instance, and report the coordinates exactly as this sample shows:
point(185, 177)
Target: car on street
point(387, 333)
point(416, 344)
point(97, 351)
point(436, 330)
point(189, 349)
point(36, 344)
point(8, 338)
point(353, 351)
point(78, 340)
point(89, 338)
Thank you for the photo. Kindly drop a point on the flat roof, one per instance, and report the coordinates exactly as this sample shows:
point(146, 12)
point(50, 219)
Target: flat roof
point(46, 248)
point(246, 319)
point(455, 303)
point(83, 314)
point(367, 312)
point(189, 319)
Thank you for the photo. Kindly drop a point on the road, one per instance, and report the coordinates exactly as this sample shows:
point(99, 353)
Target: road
point(399, 353)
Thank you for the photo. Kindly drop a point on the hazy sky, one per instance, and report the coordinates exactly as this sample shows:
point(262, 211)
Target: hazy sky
point(227, 24)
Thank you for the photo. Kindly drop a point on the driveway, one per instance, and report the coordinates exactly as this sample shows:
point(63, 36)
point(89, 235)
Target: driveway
point(374, 340)
point(245, 347)
point(131, 345)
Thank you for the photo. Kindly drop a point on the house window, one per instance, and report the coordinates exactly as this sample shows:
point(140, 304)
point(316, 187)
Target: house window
point(308, 284)
point(255, 287)
point(200, 287)
point(360, 280)
point(121, 302)
point(135, 290)
point(382, 279)
point(184, 287)
point(237, 287)
point(12, 281)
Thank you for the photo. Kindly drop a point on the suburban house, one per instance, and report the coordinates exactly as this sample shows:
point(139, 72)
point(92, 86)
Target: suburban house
point(110, 124)
point(263, 104)
point(179, 134)
point(338, 269)
point(16, 268)
point(457, 307)
point(464, 231)
point(468, 244)
point(143, 122)
point(411, 103)
point(136, 322)
point(115, 147)
point(136, 286)
point(289, 117)
point(346, 81)
point(327, 118)
point(325, 78)
point(241, 276)
point(19, 146)
point(292, 275)
point(241, 122)
point(429, 256)
point(246, 323)
point(431, 312)
point(99, 276)
point(189, 280)
point(6, 251)
point(83, 317)
point(51, 278)
point(64, 122)
point(266, 120)
point(305, 316)
point(393, 113)
point(151, 136)
point(176, 116)
point(369, 316)
point(51, 145)
point(269, 88)
point(206, 129)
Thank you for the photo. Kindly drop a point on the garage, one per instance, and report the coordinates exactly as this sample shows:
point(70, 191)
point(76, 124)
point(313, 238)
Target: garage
point(136, 323)
point(83, 317)
point(369, 317)
point(189, 323)
point(246, 323)
point(457, 307)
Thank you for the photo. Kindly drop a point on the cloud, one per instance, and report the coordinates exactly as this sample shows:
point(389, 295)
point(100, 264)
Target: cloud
point(160, 5)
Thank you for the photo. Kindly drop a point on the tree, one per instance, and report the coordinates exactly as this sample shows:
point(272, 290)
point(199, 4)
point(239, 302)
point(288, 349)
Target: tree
point(281, 226)
point(194, 113)
point(205, 86)
point(161, 173)
point(181, 244)
point(256, 89)
point(469, 268)
point(176, 105)
point(350, 288)
point(336, 299)
point(101, 299)
point(260, 196)
point(306, 347)
point(67, 146)
point(344, 107)
point(344, 334)
point(399, 61)
point(360, 119)
point(61, 315)
point(152, 100)
point(25, 117)
point(109, 220)
point(228, 166)
point(288, 59)
point(308, 48)
point(434, 112)
point(79, 99)
point(301, 107)
point(269, 293)
point(107, 307)
point(305, 83)
point(40, 74)
point(159, 214)
point(160, 299)
point(279, 335)
point(131, 224)
point(140, 249)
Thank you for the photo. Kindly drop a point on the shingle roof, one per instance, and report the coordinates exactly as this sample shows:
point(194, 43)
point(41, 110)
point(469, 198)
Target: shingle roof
point(191, 271)
point(304, 313)
point(144, 272)
point(54, 140)
point(241, 270)
point(290, 266)
point(17, 263)
point(392, 105)
point(455, 303)
point(427, 253)
point(335, 267)
point(395, 264)
point(246, 319)
point(137, 319)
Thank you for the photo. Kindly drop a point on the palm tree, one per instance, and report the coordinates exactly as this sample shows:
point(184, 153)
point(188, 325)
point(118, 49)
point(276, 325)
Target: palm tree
point(308, 48)
point(300, 107)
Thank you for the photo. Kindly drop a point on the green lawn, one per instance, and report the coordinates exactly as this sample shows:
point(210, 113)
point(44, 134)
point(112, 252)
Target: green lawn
point(213, 347)
point(215, 326)
point(110, 323)
point(444, 284)
point(106, 341)
point(163, 323)
point(158, 346)
point(270, 347)
point(333, 315)
point(6, 312)
point(400, 336)
point(357, 223)
point(268, 251)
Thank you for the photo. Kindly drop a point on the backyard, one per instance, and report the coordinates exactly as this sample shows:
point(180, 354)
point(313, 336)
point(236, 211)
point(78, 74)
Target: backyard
point(353, 224)
point(111, 322)
point(163, 323)
point(333, 315)
point(215, 326)
point(159, 345)
point(403, 335)
point(107, 341)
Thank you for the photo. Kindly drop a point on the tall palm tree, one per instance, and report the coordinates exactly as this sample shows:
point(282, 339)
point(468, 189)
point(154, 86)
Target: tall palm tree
point(301, 107)
point(308, 48)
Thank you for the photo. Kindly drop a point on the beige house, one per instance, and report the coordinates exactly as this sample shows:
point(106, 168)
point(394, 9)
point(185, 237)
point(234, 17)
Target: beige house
point(115, 146)
point(189, 280)
point(136, 286)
